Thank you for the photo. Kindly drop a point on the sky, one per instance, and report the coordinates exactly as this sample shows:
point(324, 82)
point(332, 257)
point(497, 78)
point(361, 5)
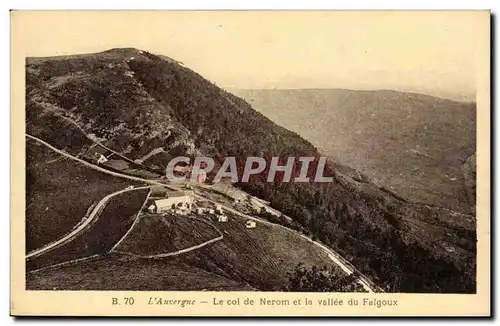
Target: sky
point(428, 52)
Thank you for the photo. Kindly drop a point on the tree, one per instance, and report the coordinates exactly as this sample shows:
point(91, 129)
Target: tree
point(321, 280)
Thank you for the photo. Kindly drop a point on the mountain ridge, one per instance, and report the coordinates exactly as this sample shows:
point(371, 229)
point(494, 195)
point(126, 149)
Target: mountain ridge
point(410, 142)
point(416, 93)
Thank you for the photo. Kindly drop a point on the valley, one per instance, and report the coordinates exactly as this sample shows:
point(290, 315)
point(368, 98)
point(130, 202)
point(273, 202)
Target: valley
point(413, 144)
point(128, 112)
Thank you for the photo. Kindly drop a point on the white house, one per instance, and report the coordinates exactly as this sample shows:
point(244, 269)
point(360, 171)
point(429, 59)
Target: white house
point(176, 200)
point(222, 218)
point(101, 159)
point(250, 224)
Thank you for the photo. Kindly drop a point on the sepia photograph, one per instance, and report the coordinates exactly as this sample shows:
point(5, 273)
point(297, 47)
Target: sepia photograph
point(272, 152)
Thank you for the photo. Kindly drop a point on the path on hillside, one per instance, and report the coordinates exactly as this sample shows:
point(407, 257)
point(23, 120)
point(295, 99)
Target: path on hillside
point(75, 232)
point(172, 253)
point(95, 167)
point(136, 220)
point(73, 122)
point(176, 252)
point(332, 255)
point(95, 141)
point(335, 257)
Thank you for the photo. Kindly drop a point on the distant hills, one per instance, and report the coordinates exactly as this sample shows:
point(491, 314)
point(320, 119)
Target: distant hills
point(412, 144)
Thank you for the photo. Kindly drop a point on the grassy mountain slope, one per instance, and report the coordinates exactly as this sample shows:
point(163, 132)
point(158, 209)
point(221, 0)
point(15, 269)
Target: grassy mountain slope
point(137, 102)
point(413, 144)
point(60, 193)
point(259, 257)
point(124, 273)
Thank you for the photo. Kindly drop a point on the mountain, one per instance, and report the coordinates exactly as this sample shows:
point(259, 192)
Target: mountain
point(144, 109)
point(410, 143)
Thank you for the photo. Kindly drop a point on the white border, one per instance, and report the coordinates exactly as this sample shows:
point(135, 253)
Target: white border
point(187, 4)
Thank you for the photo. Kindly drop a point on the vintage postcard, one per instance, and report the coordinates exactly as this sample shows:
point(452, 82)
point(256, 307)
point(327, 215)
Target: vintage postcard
point(250, 163)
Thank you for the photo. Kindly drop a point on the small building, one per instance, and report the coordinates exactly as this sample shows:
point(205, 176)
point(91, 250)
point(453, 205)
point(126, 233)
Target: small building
point(250, 224)
point(211, 211)
point(180, 211)
point(101, 159)
point(222, 218)
point(218, 210)
point(176, 200)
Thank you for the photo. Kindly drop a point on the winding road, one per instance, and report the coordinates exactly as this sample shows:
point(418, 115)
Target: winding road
point(74, 233)
point(335, 257)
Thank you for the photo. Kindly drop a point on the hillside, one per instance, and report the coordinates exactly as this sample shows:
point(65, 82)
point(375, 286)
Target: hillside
point(135, 103)
point(117, 272)
point(412, 144)
point(60, 193)
point(124, 235)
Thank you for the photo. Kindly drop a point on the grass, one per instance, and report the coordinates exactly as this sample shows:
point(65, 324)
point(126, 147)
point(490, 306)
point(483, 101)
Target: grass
point(59, 193)
point(245, 259)
point(158, 234)
point(99, 237)
point(262, 257)
point(43, 122)
point(120, 273)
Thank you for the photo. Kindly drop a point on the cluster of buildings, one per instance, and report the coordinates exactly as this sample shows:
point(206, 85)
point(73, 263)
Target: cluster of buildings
point(177, 202)
point(183, 203)
point(218, 212)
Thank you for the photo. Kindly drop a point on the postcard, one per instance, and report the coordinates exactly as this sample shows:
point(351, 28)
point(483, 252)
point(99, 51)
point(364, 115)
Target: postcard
point(250, 163)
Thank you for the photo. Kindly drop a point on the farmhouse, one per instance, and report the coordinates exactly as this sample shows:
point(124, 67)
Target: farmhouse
point(222, 218)
point(250, 224)
point(101, 159)
point(176, 200)
point(95, 151)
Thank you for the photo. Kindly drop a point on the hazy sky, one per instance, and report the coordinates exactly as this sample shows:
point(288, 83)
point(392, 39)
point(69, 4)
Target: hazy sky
point(433, 52)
